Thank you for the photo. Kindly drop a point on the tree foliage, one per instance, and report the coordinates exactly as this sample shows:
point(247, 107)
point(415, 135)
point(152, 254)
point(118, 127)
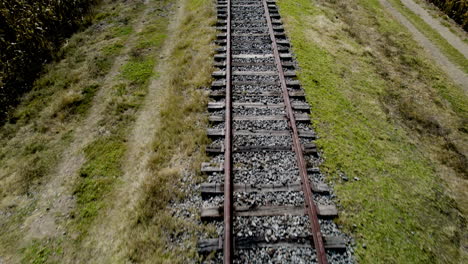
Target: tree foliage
point(455, 9)
point(30, 31)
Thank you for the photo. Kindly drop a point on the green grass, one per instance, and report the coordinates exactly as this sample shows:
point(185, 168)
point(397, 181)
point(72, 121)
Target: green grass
point(101, 170)
point(41, 252)
point(42, 127)
point(104, 156)
point(113, 49)
point(380, 109)
point(452, 53)
point(180, 136)
point(138, 71)
point(121, 31)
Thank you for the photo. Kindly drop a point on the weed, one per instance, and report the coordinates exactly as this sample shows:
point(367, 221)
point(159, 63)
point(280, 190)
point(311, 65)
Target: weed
point(41, 252)
point(36, 253)
point(113, 49)
point(138, 71)
point(121, 31)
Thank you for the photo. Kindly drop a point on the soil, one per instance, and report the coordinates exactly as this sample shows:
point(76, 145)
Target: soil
point(451, 38)
point(56, 201)
point(451, 69)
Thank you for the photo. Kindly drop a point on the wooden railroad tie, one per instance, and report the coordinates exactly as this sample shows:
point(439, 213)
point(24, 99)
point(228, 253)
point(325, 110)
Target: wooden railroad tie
point(218, 188)
point(216, 212)
point(216, 244)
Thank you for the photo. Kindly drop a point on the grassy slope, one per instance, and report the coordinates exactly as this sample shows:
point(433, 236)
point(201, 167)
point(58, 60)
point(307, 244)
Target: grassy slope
point(104, 155)
point(42, 126)
point(385, 115)
point(452, 54)
point(155, 233)
point(445, 20)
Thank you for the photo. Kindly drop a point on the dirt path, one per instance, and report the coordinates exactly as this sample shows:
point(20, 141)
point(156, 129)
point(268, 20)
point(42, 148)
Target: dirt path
point(136, 164)
point(451, 69)
point(56, 200)
point(453, 39)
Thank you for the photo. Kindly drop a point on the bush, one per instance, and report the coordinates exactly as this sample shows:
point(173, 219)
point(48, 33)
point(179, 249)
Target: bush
point(30, 31)
point(456, 9)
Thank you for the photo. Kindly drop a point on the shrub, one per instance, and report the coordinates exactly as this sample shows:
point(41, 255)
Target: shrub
point(30, 31)
point(456, 9)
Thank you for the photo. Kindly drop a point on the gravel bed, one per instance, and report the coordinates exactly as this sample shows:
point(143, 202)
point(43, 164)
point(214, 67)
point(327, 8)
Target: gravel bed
point(272, 228)
point(254, 60)
point(304, 126)
point(246, 14)
point(259, 22)
point(297, 101)
point(313, 161)
point(216, 200)
point(255, 68)
point(248, 9)
point(219, 99)
point(304, 140)
point(257, 78)
point(345, 257)
point(215, 177)
point(323, 199)
point(260, 111)
point(265, 167)
point(250, 51)
point(217, 125)
point(268, 198)
point(217, 158)
point(276, 255)
point(263, 124)
point(252, 98)
point(329, 228)
point(262, 141)
point(256, 88)
point(253, 45)
point(301, 112)
point(294, 89)
point(217, 142)
point(246, 41)
point(316, 177)
point(249, 30)
point(218, 113)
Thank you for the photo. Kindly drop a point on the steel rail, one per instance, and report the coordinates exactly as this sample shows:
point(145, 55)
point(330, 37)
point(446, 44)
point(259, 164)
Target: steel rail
point(228, 188)
point(308, 196)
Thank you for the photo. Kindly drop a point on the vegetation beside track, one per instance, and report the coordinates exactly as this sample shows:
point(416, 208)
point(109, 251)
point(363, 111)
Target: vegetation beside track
point(455, 9)
point(155, 233)
point(30, 34)
point(448, 50)
point(392, 128)
point(106, 67)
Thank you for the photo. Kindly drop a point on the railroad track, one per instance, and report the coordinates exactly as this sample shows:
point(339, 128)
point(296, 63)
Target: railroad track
point(264, 188)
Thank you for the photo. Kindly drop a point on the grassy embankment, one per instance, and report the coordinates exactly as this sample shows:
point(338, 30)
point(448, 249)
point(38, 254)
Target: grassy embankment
point(392, 123)
point(156, 234)
point(448, 50)
point(43, 126)
point(444, 19)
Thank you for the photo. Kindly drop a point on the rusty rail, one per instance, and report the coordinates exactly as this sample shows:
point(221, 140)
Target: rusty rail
point(308, 197)
point(228, 243)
